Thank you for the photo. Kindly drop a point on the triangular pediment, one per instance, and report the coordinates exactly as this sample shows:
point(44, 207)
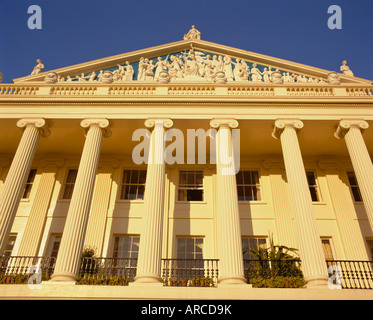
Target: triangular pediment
point(189, 61)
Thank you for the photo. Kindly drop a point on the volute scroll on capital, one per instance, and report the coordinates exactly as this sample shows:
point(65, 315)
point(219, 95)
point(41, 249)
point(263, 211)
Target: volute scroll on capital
point(103, 124)
point(280, 125)
point(229, 123)
point(38, 123)
point(345, 125)
point(151, 122)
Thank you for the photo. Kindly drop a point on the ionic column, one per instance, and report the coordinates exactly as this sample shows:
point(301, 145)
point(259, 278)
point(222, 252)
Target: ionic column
point(71, 247)
point(351, 236)
point(351, 130)
point(228, 218)
point(150, 249)
point(310, 248)
point(17, 175)
point(36, 222)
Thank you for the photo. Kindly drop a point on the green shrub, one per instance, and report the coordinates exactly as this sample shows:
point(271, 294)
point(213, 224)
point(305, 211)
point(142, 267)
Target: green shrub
point(278, 282)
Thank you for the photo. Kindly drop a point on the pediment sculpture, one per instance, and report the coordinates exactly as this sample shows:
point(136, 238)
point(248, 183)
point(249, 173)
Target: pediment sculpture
point(191, 65)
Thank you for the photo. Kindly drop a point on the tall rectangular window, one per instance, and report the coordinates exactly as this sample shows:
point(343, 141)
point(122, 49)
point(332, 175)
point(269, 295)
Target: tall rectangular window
point(248, 186)
point(249, 244)
point(69, 184)
point(133, 185)
point(10, 245)
point(190, 186)
point(126, 247)
point(327, 247)
point(29, 183)
point(190, 262)
point(54, 245)
point(312, 184)
point(354, 186)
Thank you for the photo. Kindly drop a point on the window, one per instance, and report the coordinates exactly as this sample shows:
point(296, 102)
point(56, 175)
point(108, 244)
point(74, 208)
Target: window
point(54, 245)
point(9, 247)
point(29, 183)
point(69, 184)
point(254, 244)
point(125, 253)
point(190, 262)
point(370, 247)
point(326, 245)
point(133, 185)
point(312, 184)
point(190, 186)
point(248, 186)
point(354, 186)
point(126, 247)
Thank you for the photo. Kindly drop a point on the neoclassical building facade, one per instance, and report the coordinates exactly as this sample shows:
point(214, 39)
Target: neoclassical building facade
point(186, 151)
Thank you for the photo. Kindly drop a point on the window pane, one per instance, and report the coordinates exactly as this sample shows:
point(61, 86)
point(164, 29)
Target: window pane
point(194, 195)
point(71, 176)
point(241, 194)
point(182, 178)
point(126, 176)
point(247, 177)
point(311, 179)
point(31, 176)
point(140, 192)
point(191, 180)
point(142, 178)
point(199, 178)
point(352, 178)
point(314, 194)
point(134, 176)
point(248, 194)
point(356, 193)
point(239, 178)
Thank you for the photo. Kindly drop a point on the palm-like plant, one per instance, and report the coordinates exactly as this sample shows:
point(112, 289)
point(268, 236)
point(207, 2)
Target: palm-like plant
point(276, 260)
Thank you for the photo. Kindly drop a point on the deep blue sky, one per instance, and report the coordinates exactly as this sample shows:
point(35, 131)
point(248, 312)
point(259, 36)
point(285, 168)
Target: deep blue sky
point(75, 31)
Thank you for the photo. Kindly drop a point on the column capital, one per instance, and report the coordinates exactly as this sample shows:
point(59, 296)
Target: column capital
point(345, 125)
point(280, 125)
point(228, 123)
point(151, 122)
point(38, 123)
point(103, 124)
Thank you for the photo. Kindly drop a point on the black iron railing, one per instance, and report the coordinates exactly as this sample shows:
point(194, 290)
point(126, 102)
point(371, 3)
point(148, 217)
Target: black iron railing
point(190, 272)
point(347, 274)
point(271, 268)
point(111, 271)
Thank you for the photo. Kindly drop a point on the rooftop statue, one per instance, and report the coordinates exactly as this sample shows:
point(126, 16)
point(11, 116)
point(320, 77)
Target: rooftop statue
point(346, 69)
point(38, 68)
point(193, 34)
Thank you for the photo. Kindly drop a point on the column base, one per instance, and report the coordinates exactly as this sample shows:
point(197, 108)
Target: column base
point(317, 283)
point(235, 280)
point(64, 276)
point(148, 278)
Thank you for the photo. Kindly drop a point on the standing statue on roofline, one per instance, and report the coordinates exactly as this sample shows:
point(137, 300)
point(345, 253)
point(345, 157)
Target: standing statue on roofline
point(193, 34)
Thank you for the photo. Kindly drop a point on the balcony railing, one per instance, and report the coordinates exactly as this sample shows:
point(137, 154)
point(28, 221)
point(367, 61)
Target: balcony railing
point(190, 272)
point(343, 274)
point(350, 274)
point(107, 271)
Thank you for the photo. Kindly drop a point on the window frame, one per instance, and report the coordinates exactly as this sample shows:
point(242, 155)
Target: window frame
point(191, 188)
point(256, 239)
point(30, 184)
point(330, 242)
point(123, 184)
point(63, 189)
point(251, 170)
point(316, 186)
point(348, 173)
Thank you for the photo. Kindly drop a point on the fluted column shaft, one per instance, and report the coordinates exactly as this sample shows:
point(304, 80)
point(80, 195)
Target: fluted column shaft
point(71, 247)
point(150, 249)
point(17, 175)
point(36, 222)
point(310, 248)
point(351, 130)
point(228, 218)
